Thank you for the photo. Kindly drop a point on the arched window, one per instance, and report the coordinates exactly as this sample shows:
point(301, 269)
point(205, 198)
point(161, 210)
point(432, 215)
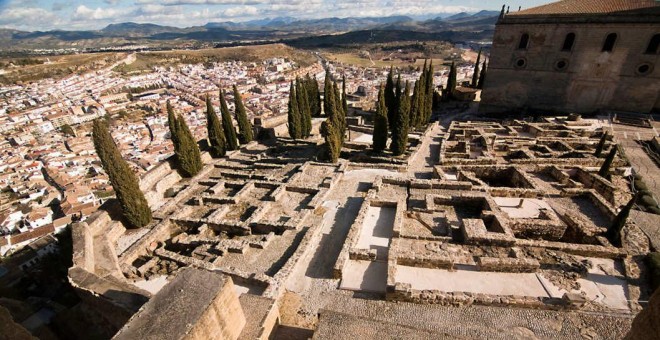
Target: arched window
point(568, 42)
point(524, 41)
point(609, 42)
point(653, 45)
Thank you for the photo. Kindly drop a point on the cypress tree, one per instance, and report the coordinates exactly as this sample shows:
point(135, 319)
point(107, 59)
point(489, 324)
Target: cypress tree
point(344, 103)
point(303, 109)
point(313, 96)
point(482, 76)
point(605, 169)
point(332, 144)
point(227, 125)
point(332, 128)
point(294, 115)
point(414, 102)
point(451, 81)
point(475, 74)
point(400, 137)
point(390, 96)
point(601, 145)
point(134, 206)
point(613, 233)
point(420, 99)
point(187, 152)
point(244, 126)
point(171, 122)
point(428, 99)
point(316, 94)
point(340, 115)
point(327, 93)
point(380, 123)
point(217, 142)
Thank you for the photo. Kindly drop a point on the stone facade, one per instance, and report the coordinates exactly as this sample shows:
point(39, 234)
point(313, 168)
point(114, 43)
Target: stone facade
point(531, 65)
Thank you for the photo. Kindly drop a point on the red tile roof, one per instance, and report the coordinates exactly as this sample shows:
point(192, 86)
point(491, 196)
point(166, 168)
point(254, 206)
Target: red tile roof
point(588, 7)
point(32, 234)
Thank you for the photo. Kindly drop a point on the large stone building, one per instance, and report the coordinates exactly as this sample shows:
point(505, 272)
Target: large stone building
point(576, 56)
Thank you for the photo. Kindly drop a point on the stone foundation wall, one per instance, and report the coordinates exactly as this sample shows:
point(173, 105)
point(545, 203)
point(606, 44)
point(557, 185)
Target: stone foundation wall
point(404, 293)
point(586, 250)
point(509, 265)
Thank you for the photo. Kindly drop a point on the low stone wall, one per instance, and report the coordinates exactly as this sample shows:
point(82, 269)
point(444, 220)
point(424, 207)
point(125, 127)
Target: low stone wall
point(425, 262)
point(475, 232)
point(144, 245)
point(362, 254)
point(393, 167)
point(404, 293)
point(561, 176)
point(586, 250)
point(352, 237)
point(356, 227)
point(604, 187)
point(548, 226)
point(509, 265)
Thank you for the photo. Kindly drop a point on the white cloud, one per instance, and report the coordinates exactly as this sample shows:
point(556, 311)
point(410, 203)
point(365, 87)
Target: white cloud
point(78, 14)
point(83, 12)
point(202, 2)
point(24, 17)
point(241, 11)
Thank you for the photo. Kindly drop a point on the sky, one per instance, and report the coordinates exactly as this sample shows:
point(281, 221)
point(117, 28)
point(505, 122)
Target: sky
point(32, 15)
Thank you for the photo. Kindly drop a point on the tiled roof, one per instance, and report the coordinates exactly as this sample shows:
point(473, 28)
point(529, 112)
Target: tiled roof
point(588, 7)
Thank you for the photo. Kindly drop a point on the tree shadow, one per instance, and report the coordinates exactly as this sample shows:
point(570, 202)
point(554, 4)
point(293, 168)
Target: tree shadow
point(322, 264)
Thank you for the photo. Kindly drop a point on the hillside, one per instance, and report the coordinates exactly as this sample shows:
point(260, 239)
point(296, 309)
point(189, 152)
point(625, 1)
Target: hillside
point(462, 26)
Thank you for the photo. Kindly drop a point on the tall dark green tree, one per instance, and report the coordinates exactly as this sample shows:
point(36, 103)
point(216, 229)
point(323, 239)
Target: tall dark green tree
point(245, 134)
point(482, 76)
point(401, 124)
point(332, 128)
point(328, 94)
point(303, 109)
point(171, 122)
point(313, 95)
point(605, 169)
point(187, 152)
point(344, 103)
point(429, 87)
point(227, 124)
point(332, 146)
point(380, 123)
point(420, 99)
point(134, 206)
point(390, 96)
point(601, 145)
point(294, 117)
point(451, 81)
point(414, 102)
point(614, 231)
point(475, 73)
point(216, 136)
point(340, 115)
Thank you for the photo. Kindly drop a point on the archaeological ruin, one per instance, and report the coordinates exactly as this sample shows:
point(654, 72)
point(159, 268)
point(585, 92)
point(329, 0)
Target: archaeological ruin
point(483, 229)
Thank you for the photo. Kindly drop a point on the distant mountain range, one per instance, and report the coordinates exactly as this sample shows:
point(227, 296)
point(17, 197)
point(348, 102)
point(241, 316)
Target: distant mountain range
point(280, 28)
